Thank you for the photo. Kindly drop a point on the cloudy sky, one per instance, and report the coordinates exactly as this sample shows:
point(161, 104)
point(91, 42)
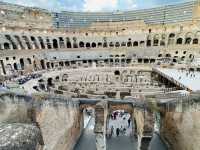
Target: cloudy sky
point(93, 5)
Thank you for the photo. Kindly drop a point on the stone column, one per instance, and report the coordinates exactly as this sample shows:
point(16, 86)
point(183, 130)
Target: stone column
point(100, 125)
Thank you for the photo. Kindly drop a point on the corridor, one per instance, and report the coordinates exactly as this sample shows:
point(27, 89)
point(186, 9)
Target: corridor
point(87, 140)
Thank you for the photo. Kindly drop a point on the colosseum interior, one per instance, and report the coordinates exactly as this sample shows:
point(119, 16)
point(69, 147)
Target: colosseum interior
point(100, 80)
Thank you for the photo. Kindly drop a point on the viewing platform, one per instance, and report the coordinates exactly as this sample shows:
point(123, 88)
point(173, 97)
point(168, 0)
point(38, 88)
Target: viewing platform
point(187, 80)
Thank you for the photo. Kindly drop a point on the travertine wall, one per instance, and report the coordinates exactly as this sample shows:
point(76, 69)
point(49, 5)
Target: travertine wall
point(181, 130)
point(59, 120)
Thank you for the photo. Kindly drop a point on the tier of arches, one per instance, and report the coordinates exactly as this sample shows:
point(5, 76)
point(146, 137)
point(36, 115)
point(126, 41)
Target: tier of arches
point(39, 42)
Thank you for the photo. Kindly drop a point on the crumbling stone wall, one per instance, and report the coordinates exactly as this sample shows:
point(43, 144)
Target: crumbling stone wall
point(58, 121)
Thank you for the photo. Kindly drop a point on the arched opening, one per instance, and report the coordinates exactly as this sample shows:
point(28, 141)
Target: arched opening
point(48, 65)
point(135, 43)
point(94, 45)
point(88, 45)
point(50, 82)
point(99, 44)
point(61, 42)
point(174, 60)
point(111, 44)
point(29, 61)
point(15, 66)
point(171, 39)
point(123, 44)
point(27, 42)
point(65, 77)
point(146, 61)
point(55, 43)
point(152, 61)
point(142, 43)
point(129, 44)
point(69, 45)
point(48, 43)
point(75, 45)
point(117, 72)
point(162, 43)
point(6, 46)
point(21, 63)
point(117, 44)
point(188, 40)
point(33, 39)
point(179, 41)
point(160, 55)
point(81, 44)
point(9, 38)
point(42, 64)
point(148, 43)
point(19, 41)
point(156, 40)
point(105, 44)
point(195, 41)
point(41, 42)
point(168, 55)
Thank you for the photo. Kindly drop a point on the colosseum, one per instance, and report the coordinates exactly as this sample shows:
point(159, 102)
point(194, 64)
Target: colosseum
point(122, 80)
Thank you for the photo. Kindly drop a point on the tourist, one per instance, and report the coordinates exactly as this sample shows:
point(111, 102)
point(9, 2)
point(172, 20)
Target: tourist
point(117, 131)
point(112, 131)
point(129, 122)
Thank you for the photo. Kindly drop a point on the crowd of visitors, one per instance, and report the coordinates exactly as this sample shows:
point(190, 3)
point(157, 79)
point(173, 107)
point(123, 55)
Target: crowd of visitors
point(120, 122)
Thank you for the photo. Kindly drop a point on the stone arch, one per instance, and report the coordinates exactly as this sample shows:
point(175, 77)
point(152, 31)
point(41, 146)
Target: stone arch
point(162, 41)
point(48, 65)
point(188, 38)
point(48, 43)
point(21, 60)
point(42, 64)
point(105, 44)
point(171, 38)
point(123, 44)
point(15, 66)
point(55, 43)
point(61, 42)
point(117, 44)
point(156, 40)
point(179, 41)
point(94, 45)
point(6, 45)
point(195, 41)
point(148, 43)
point(41, 42)
point(135, 43)
point(33, 39)
point(19, 41)
point(117, 72)
point(111, 44)
point(29, 60)
point(75, 45)
point(81, 44)
point(69, 45)
point(10, 39)
point(65, 77)
point(87, 45)
point(129, 44)
point(168, 55)
point(27, 42)
point(99, 44)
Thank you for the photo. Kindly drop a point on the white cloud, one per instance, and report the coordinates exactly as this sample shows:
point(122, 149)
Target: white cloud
point(98, 5)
